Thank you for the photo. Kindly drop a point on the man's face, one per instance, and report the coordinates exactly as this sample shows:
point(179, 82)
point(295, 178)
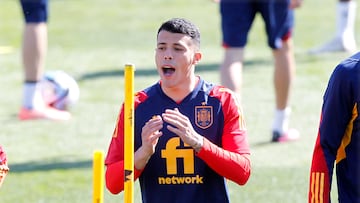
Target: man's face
point(175, 56)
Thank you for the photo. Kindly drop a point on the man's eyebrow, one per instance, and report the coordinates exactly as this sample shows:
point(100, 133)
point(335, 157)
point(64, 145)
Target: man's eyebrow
point(175, 44)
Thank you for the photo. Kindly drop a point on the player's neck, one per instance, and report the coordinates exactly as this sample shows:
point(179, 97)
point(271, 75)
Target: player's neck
point(178, 93)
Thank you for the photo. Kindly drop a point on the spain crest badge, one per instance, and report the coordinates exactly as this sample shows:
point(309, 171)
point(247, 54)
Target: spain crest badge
point(203, 116)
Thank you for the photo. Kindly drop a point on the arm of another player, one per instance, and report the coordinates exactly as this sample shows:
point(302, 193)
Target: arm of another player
point(332, 128)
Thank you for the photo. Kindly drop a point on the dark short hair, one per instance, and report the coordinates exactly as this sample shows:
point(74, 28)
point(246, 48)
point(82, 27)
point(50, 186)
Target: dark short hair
point(182, 26)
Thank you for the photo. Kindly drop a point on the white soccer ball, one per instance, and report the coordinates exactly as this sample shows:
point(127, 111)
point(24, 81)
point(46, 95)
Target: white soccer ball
point(59, 90)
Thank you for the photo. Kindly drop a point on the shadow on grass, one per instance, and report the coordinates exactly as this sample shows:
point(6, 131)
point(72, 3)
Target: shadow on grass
point(263, 144)
point(151, 71)
point(138, 72)
point(41, 166)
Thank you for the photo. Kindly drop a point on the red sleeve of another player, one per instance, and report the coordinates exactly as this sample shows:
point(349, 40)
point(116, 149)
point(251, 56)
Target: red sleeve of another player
point(319, 188)
point(232, 160)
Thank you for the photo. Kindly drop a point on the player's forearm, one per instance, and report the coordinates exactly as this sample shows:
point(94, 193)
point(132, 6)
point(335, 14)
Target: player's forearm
point(114, 176)
point(231, 165)
point(141, 158)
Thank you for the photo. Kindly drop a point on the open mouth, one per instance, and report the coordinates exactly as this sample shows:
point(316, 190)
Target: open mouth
point(168, 71)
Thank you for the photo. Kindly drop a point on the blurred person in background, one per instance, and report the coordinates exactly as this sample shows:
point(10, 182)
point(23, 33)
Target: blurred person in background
point(34, 49)
point(236, 21)
point(344, 38)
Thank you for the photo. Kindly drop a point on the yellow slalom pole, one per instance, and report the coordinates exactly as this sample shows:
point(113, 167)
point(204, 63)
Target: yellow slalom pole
point(129, 134)
point(98, 176)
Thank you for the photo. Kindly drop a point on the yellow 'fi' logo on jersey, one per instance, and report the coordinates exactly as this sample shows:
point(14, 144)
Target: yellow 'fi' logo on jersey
point(203, 116)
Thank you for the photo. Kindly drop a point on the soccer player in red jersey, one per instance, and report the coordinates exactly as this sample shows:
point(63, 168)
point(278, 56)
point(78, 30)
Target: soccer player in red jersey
point(190, 134)
point(338, 139)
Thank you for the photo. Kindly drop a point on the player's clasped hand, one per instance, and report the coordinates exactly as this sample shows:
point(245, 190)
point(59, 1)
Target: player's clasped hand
point(182, 127)
point(150, 133)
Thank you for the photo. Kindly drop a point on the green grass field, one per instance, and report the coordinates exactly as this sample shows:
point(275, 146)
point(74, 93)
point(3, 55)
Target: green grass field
point(51, 162)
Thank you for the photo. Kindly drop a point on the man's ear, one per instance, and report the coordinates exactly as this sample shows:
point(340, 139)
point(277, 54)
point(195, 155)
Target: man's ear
point(197, 57)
